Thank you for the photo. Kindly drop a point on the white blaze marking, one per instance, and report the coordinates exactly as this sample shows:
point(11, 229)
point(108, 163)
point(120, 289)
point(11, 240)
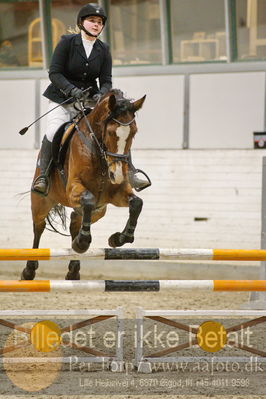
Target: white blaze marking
point(122, 133)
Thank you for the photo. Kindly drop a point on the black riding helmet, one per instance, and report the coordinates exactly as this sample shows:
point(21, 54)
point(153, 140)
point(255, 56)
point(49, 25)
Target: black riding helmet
point(90, 10)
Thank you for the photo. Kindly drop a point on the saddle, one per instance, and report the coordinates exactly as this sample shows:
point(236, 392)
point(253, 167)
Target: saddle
point(61, 142)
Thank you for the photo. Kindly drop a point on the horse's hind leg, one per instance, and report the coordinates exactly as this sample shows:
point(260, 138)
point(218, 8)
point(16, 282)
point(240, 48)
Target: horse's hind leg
point(74, 265)
point(32, 265)
point(73, 270)
point(118, 239)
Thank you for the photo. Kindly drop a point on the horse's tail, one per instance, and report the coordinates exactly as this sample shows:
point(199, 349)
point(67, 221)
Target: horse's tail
point(58, 211)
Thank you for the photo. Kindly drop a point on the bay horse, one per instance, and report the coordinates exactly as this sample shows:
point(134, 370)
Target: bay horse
point(96, 169)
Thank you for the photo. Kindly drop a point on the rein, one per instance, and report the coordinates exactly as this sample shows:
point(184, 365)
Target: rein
point(116, 157)
point(103, 153)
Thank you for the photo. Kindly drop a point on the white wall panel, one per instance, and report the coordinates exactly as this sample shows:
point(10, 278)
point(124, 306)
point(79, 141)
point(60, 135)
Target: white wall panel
point(17, 105)
point(160, 121)
point(225, 109)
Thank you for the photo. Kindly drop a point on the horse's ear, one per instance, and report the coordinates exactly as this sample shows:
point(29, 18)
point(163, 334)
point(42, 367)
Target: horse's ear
point(112, 102)
point(138, 104)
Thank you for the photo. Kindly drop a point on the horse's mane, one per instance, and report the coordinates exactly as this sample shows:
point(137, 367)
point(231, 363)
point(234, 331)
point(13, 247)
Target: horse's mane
point(101, 113)
point(122, 104)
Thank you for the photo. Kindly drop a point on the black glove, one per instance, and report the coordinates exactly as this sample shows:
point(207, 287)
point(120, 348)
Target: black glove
point(77, 93)
point(97, 97)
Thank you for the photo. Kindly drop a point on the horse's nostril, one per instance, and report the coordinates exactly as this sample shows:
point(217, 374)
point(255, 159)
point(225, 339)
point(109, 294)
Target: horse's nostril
point(112, 175)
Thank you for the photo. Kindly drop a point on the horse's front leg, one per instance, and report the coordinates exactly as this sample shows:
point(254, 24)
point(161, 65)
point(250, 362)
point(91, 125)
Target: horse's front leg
point(82, 240)
point(29, 271)
point(40, 208)
point(127, 235)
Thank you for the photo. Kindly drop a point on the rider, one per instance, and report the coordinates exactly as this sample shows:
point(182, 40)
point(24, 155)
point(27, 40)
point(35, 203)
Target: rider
point(78, 60)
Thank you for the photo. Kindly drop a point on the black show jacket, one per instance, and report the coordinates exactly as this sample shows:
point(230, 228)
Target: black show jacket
point(71, 68)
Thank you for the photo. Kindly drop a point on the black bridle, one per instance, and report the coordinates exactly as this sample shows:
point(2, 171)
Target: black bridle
point(118, 157)
point(104, 153)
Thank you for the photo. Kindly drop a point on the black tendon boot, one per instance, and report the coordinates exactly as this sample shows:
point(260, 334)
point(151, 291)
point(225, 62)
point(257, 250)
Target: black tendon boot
point(41, 183)
point(134, 176)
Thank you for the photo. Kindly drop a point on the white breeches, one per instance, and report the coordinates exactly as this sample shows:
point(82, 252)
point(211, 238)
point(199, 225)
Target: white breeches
point(57, 117)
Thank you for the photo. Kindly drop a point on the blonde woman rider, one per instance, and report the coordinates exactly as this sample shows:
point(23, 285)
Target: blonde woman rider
point(78, 61)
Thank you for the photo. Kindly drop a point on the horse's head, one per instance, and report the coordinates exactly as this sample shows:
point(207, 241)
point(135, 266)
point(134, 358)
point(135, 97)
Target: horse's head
point(118, 130)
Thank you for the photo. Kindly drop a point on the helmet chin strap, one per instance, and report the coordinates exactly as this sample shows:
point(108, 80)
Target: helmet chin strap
point(87, 32)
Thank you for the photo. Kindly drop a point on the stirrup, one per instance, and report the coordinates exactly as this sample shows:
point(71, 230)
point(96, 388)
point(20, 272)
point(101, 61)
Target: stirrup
point(47, 181)
point(131, 175)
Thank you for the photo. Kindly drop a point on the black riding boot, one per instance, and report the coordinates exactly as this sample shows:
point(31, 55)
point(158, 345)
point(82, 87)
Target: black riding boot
point(40, 185)
point(136, 182)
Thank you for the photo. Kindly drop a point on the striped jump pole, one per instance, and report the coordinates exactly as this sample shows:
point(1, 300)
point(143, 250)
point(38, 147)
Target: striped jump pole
point(130, 285)
point(135, 254)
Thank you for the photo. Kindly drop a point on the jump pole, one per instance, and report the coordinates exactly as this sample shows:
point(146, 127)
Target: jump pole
point(130, 285)
point(135, 254)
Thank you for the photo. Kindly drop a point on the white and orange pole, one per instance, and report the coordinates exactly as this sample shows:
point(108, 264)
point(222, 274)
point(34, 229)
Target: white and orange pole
point(135, 254)
point(131, 285)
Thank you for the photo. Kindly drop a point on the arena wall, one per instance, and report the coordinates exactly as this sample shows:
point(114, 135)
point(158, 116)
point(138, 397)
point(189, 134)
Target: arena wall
point(198, 199)
point(200, 110)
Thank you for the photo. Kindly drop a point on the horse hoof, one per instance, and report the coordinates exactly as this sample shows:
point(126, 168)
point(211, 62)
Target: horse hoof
point(30, 270)
point(71, 276)
point(79, 247)
point(27, 275)
point(119, 239)
point(73, 270)
point(113, 240)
